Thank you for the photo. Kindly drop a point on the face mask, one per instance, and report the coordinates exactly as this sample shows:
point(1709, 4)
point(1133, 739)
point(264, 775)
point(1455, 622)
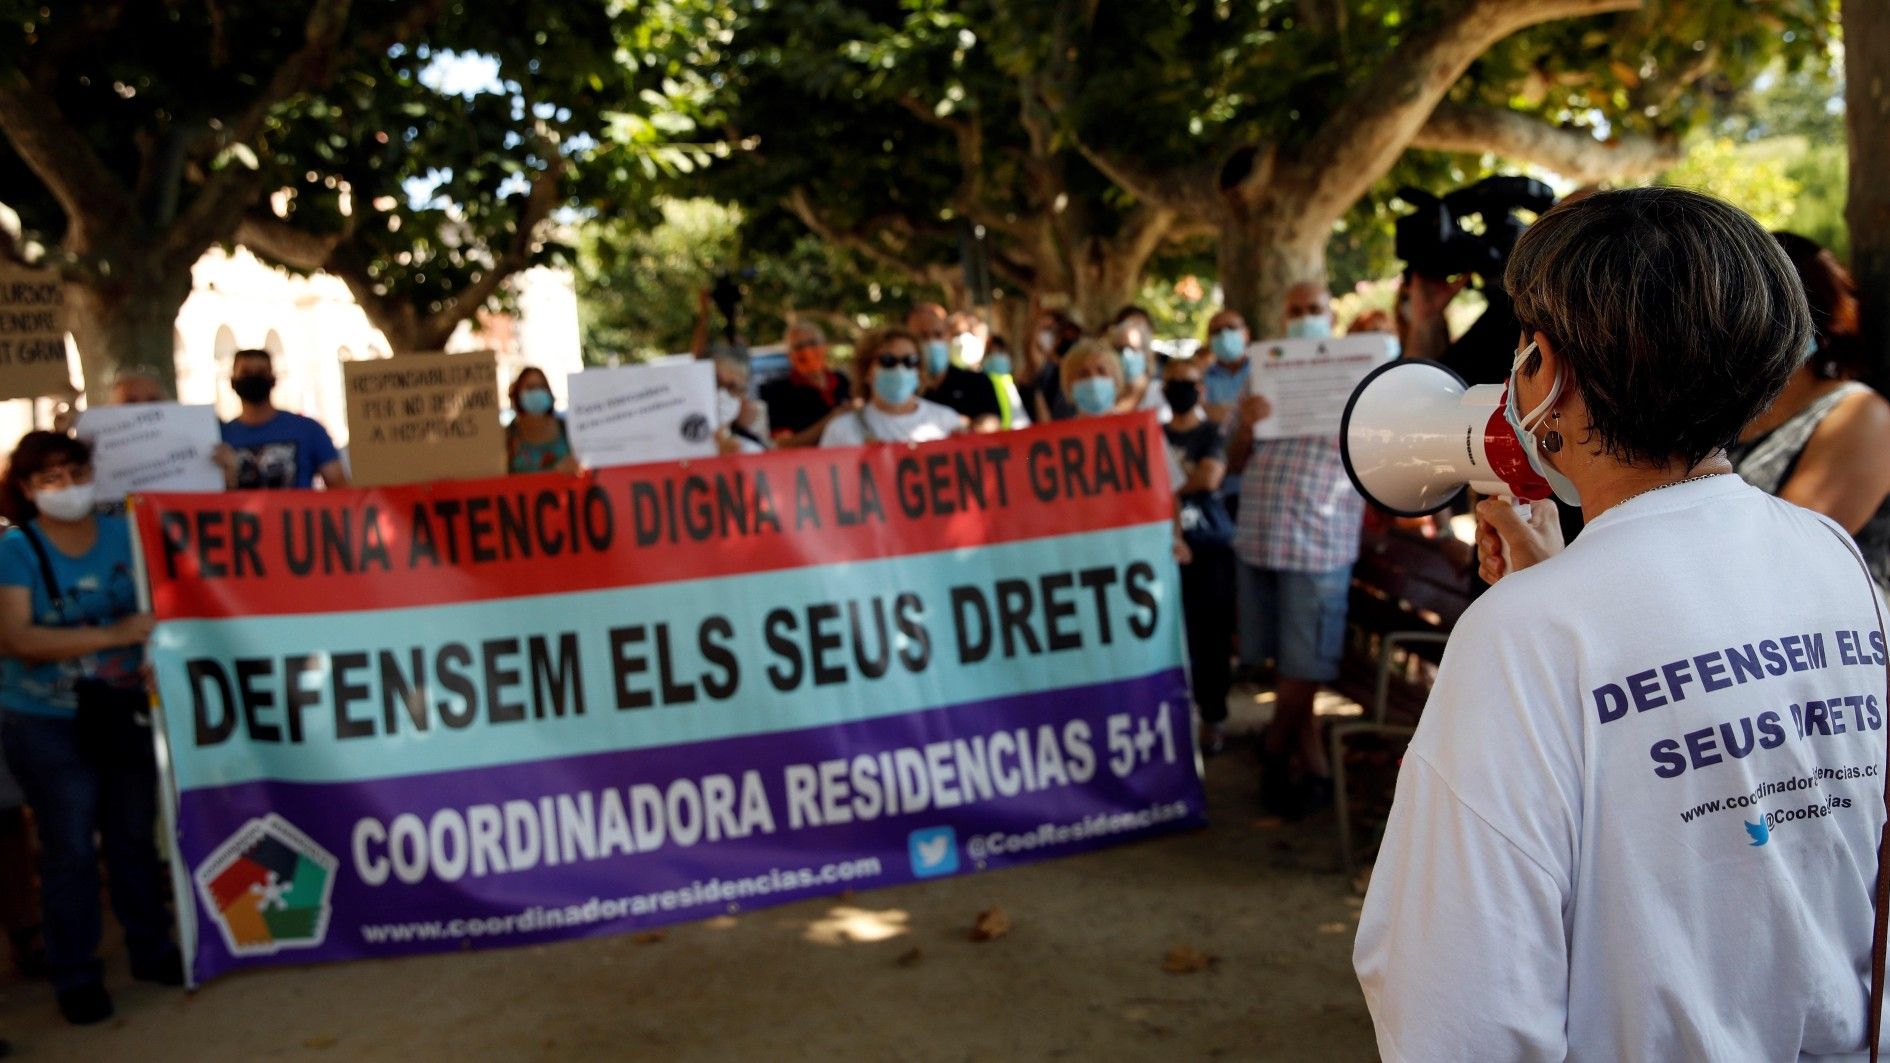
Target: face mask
point(997, 364)
point(1046, 339)
point(1134, 363)
point(970, 350)
point(534, 401)
point(67, 503)
point(1229, 345)
point(1182, 395)
point(1524, 427)
point(1094, 394)
point(1310, 327)
point(253, 388)
point(808, 361)
point(938, 355)
point(727, 408)
point(896, 385)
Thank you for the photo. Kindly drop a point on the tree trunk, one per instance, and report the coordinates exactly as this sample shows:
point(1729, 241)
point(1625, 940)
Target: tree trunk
point(1867, 112)
point(127, 320)
point(1263, 253)
point(1105, 281)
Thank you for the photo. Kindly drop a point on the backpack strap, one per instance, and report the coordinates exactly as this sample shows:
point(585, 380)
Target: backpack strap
point(45, 569)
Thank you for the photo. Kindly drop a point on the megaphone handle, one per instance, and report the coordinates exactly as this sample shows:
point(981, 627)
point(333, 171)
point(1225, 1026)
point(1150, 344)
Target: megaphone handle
point(1522, 510)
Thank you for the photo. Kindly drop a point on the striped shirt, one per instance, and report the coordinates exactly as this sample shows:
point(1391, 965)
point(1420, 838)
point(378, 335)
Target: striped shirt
point(1298, 511)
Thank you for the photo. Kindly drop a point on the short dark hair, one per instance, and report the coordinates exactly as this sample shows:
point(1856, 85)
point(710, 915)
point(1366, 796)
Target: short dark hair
point(35, 453)
point(1128, 312)
point(1832, 295)
point(253, 352)
point(1677, 315)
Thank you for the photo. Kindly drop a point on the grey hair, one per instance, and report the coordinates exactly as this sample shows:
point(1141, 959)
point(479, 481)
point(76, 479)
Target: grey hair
point(1677, 316)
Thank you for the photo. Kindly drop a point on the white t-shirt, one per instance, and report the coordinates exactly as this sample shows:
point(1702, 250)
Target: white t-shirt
point(930, 421)
point(1610, 841)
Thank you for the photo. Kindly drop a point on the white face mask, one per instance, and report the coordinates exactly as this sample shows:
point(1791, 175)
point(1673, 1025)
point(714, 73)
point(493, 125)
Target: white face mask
point(727, 408)
point(1524, 425)
point(68, 503)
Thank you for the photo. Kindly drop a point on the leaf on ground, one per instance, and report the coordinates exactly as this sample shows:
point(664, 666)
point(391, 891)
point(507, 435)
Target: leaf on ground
point(990, 924)
point(911, 957)
point(1268, 823)
point(649, 937)
point(324, 1041)
point(1186, 959)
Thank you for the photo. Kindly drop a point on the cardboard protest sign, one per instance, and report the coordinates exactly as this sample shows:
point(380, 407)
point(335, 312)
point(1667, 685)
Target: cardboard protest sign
point(158, 446)
point(420, 417)
point(642, 413)
point(514, 711)
point(1309, 380)
point(32, 333)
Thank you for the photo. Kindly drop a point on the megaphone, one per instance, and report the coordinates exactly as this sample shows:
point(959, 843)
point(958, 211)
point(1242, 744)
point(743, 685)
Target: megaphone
point(1414, 435)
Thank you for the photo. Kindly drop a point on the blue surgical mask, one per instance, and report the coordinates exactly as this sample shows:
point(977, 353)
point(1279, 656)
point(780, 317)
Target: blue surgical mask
point(1524, 426)
point(938, 355)
point(1134, 364)
point(1230, 345)
point(1310, 327)
point(1094, 394)
point(997, 364)
point(534, 401)
point(895, 385)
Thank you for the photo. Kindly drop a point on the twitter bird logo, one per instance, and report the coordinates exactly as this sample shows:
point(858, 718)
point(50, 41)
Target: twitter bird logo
point(1759, 831)
point(934, 851)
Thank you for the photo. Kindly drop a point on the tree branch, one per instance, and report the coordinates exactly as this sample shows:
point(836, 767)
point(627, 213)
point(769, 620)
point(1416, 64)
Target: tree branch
point(1364, 136)
point(547, 193)
point(802, 207)
point(275, 240)
point(1573, 153)
point(59, 156)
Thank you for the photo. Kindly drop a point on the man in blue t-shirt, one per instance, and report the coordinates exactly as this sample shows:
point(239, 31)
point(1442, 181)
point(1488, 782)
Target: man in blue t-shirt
point(275, 448)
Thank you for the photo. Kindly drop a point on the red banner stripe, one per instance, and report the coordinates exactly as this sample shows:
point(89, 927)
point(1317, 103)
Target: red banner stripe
point(298, 552)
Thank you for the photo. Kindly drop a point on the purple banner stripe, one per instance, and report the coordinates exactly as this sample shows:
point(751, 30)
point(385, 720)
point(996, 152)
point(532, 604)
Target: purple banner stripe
point(603, 843)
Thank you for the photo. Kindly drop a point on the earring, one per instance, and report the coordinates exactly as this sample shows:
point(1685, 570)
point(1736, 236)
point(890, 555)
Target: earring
point(1552, 440)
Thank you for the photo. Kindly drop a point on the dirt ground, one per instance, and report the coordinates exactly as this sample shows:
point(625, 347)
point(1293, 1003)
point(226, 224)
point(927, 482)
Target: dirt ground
point(883, 975)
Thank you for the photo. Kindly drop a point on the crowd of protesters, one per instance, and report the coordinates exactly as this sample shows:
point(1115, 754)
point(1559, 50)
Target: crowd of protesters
point(1268, 531)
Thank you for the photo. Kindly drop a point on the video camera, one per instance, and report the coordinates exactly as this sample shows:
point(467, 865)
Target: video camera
point(1432, 239)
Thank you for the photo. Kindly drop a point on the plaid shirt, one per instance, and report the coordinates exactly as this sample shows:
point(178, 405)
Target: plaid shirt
point(1298, 511)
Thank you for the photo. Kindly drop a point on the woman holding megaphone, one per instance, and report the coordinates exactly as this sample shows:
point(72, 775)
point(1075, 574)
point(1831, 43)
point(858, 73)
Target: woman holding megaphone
point(1641, 815)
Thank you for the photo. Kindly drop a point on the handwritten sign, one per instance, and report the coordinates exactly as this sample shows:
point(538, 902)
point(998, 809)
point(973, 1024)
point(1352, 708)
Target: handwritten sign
point(32, 333)
point(643, 413)
point(158, 446)
point(1309, 380)
point(420, 417)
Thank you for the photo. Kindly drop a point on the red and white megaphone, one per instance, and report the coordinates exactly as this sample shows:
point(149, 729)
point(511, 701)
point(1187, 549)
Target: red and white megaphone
point(1414, 435)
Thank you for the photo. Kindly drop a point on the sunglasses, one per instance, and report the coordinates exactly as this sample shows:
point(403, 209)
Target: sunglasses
point(894, 361)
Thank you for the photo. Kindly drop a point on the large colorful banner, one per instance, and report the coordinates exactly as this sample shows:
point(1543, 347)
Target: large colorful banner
point(504, 712)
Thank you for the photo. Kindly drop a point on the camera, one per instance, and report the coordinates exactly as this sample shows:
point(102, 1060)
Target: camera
point(1432, 239)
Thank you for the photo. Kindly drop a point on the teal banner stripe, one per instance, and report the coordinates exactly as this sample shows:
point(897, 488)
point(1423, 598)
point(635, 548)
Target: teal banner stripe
point(510, 655)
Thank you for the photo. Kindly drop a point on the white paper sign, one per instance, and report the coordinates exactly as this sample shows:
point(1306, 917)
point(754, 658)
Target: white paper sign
point(153, 446)
point(1308, 381)
point(641, 413)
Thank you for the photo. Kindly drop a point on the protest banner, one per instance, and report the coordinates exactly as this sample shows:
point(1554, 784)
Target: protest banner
point(153, 446)
point(1309, 381)
point(416, 418)
point(32, 333)
point(508, 712)
point(642, 413)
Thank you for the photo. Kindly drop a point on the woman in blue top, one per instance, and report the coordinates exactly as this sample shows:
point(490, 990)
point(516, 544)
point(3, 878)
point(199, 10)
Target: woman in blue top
point(70, 628)
point(535, 441)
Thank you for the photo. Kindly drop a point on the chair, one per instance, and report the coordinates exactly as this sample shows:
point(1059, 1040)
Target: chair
point(1411, 591)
